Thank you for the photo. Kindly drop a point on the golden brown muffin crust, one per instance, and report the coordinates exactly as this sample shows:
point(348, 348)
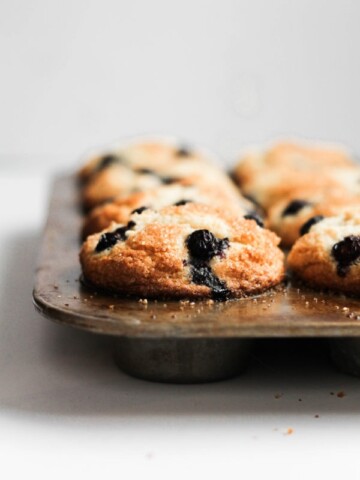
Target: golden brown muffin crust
point(120, 209)
point(312, 256)
point(154, 259)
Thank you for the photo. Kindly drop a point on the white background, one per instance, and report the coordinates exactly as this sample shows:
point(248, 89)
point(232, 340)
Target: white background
point(224, 73)
point(74, 74)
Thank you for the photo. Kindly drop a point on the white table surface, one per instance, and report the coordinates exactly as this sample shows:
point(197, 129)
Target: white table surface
point(66, 409)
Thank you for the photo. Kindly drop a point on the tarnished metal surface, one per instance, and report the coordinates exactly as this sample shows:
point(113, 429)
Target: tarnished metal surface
point(59, 295)
point(183, 360)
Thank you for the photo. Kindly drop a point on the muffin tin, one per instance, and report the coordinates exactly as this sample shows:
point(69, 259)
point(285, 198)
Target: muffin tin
point(179, 341)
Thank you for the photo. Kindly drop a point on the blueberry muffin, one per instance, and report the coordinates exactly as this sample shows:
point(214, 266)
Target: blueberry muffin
point(273, 185)
point(150, 154)
point(276, 173)
point(328, 255)
point(121, 208)
point(296, 156)
point(118, 179)
point(290, 218)
point(184, 251)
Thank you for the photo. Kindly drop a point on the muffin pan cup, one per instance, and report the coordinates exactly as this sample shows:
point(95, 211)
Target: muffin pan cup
point(181, 341)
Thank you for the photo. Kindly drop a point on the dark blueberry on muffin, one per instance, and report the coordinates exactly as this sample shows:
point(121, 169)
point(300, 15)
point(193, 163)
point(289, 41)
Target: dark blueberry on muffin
point(309, 223)
point(107, 161)
point(145, 171)
point(169, 180)
point(294, 207)
point(139, 210)
point(256, 218)
point(183, 151)
point(203, 245)
point(345, 253)
point(109, 239)
point(182, 202)
point(201, 274)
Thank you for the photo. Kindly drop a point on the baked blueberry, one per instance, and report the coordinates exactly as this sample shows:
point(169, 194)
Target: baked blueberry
point(183, 151)
point(312, 221)
point(203, 245)
point(254, 216)
point(346, 252)
point(201, 274)
point(139, 210)
point(109, 239)
point(294, 207)
point(182, 202)
point(169, 180)
point(107, 160)
point(145, 171)
point(123, 230)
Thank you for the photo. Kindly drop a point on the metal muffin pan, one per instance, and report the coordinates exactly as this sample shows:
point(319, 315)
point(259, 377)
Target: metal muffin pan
point(177, 341)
